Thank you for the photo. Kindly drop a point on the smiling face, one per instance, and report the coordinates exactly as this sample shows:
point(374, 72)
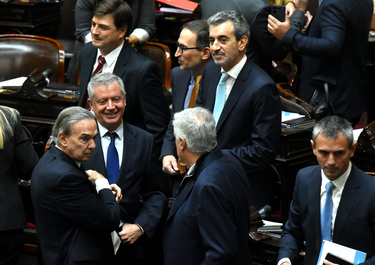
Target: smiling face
point(105, 35)
point(333, 155)
point(81, 143)
point(225, 49)
point(108, 105)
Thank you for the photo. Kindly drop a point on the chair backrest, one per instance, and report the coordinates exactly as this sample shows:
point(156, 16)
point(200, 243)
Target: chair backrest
point(21, 54)
point(160, 54)
point(284, 72)
point(292, 103)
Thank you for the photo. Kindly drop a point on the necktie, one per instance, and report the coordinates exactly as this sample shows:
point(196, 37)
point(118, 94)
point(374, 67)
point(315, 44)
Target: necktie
point(326, 214)
point(99, 68)
point(112, 160)
point(194, 92)
point(220, 96)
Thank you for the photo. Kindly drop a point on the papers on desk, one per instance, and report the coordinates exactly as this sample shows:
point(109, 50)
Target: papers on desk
point(15, 83)
point(350, 255)
point(287, 116)
point(272, 229)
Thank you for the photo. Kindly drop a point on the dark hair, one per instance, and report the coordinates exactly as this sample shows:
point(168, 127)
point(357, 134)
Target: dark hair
point(201, 29)
point(119, 10)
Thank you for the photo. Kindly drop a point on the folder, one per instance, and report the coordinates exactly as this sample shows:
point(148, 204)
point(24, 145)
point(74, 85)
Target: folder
point(347, 254)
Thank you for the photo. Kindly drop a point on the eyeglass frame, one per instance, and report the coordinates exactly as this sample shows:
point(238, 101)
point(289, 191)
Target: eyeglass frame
point(181, 49)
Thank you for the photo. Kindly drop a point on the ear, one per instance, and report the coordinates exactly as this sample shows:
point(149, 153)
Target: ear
point(123, 32)
point(125, 100)
point(181, 143)
point(63, 140)
point(313, 146)
point(206, 53)
point(90, 104)
point(353, 148)
point(242, 43)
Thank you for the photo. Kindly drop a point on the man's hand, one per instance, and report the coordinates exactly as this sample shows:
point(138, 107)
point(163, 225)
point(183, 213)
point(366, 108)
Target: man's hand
point(116, 191)
point(277, 28)
point(326, 262)
point(93, 175)
point(130, 233)
point(133, 40)
point(290, 8)
point(170, 165)
point(285, 263)
point(301, 4)
point(308, 17)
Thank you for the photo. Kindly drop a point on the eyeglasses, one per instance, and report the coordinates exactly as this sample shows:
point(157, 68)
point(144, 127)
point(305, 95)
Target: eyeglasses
point(182, 49)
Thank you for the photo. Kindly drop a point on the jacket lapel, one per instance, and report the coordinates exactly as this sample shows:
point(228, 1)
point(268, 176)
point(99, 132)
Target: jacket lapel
point(314, 201)
point(98, 158)
point(235, 94)
point(183, 85)
point(122, 61)
point(129, 149)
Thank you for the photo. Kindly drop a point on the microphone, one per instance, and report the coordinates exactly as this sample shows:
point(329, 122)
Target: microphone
point(265, 211)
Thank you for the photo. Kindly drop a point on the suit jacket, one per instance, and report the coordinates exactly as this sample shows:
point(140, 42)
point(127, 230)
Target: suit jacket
point(209, 222)
point(262, 47)
point(144, 200)
point(146, 106)
point(74, 222)
point(355, 220)
point(250, 124)
point(334, 50)
point(180, 80)
point(17, 159)
point(143, 17)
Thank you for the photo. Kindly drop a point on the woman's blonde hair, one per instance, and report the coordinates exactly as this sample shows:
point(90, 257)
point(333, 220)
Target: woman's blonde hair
point(8, 117)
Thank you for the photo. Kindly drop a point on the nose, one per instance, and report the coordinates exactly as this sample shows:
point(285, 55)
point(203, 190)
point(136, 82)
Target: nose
point(331, 159)
point(215, 45)
point(92, 144)
point(110, 105)
point(94, 30)
point(177, 53)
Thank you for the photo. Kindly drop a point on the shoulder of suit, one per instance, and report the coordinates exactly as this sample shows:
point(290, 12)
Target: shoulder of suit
point(136, 131)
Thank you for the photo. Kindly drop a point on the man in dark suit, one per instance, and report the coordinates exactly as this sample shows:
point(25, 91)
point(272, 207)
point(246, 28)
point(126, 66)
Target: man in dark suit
point(74, 218)
point(146, 104)
point(352, 199)
point(138, 170)
point(209, 222)
point(193, 53)
point(263, 48)
point(247, 114)
point(334, 51)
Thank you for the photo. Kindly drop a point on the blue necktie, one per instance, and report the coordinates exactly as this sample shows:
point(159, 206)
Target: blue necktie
point(326, 214)
point(112, 160)
point(220, 96)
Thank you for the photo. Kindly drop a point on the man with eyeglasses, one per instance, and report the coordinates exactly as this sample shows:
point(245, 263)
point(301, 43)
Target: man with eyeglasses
point(108, 52)
point(244, 101)
point(193, 53)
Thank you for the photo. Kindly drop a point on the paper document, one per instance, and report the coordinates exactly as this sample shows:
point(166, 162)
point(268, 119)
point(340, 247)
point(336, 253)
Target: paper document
point(287, 116)
point(15, 82)
point(349, 254)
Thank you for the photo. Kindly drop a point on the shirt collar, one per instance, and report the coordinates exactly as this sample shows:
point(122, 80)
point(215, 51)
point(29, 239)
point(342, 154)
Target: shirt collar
point(120, 130)
point(235, 70)
point(111, 57)
point(339, 182)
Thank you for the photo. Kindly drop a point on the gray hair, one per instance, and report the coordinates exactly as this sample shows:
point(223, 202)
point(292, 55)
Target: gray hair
point(65, 121)
point(8, 117)
point(241, 27)
point(104, 79)
point(332, 126)
point(197, 127)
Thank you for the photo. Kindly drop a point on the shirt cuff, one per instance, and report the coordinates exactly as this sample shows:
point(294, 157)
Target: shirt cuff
point(140, 227)
point(283, 260)
point(88, 37)
point(101, 183)
point(141, 34)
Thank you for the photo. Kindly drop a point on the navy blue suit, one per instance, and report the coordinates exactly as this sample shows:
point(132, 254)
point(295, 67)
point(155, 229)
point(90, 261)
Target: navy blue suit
point(144, 200)
point(249, 126)
point(355, 220)
point(74, 222)
point(146, 106)
point(210, 219)
point(334, 50)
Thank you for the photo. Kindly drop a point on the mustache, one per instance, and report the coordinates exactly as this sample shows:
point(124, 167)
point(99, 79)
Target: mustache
point(218, 53)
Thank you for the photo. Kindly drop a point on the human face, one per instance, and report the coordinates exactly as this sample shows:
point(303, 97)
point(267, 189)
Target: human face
point(189, 59)
point(333, 155)
point(81, 143)
point(225, 49)
point(108, 105)
point(104, 34)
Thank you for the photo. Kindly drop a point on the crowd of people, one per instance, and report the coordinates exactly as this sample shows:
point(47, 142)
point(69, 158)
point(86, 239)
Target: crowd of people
point(126, 182)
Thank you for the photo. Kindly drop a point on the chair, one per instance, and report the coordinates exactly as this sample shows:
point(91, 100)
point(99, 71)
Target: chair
point(21, 54)
point(285, 72)
point(160, 54)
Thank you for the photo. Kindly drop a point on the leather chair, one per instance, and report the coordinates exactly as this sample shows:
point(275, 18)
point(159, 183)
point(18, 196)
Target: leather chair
point(285, 72)
point(21, 54)
point(160, 54)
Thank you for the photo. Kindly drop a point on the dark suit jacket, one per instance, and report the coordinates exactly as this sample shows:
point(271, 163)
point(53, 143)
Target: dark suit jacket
point(250, 124)
point(210, 220)
point(180, 80)
point(355, 221)
point(73, 221)
point(334, 50)
point(17, 159)
point(146, 106)
point(262, 47)
point(144, 200)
